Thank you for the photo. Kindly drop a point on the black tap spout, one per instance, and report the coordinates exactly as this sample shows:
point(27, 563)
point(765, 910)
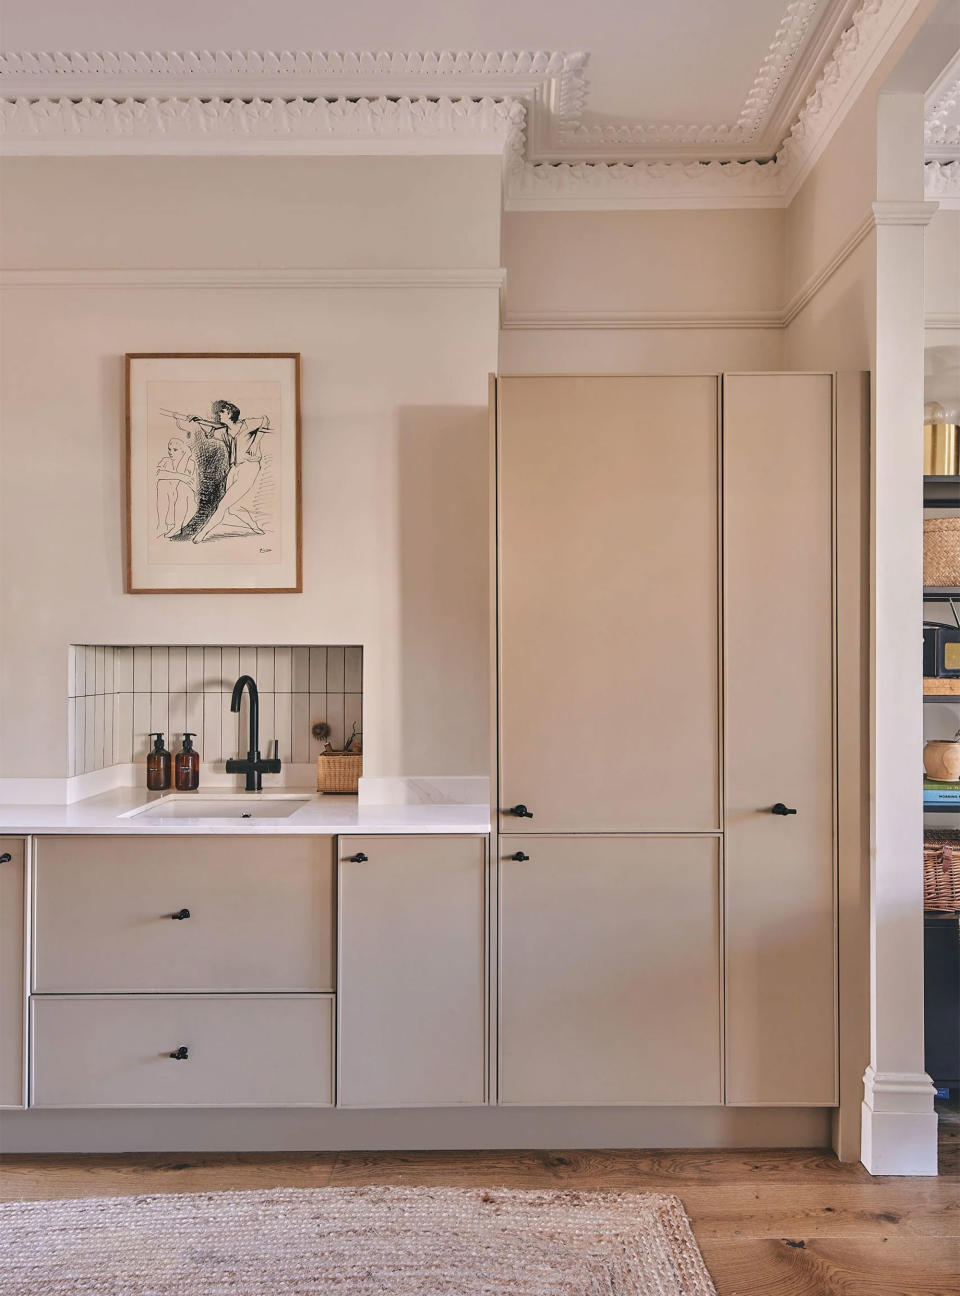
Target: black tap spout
point(250, 684)
point(254, 767)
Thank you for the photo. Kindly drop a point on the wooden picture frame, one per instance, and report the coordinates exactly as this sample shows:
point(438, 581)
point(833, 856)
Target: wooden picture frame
point(213, 473)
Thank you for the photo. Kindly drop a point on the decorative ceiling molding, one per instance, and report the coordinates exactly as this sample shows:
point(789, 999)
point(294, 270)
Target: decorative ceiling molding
point(941, 183)
point(577, 141)
point(525, 105)
point(257, 125)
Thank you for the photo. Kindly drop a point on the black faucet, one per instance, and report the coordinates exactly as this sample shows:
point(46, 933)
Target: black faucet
point(254, 766)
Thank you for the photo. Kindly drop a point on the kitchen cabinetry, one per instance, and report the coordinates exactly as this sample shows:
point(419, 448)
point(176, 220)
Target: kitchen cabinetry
point(609, 970)
point(188, 913)
point(637, 678)
point(608, 603)
point(780, 925)
point(412, 988)
point(182, 1050)
point(12, 990)
point(243, 925)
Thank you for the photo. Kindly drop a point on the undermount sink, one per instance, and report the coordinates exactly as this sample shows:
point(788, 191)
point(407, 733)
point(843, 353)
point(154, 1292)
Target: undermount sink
point(241, 805)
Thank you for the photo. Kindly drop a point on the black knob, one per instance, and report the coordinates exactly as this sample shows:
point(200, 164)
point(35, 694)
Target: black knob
point(180, 915)
point(181, 1054)
point(781, 809)
point(519, 856)
point(520, 811)
point(359, 858)
point(6, 857)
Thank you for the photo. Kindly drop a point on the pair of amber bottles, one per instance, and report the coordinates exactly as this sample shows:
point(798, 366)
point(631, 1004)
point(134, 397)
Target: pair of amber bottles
point(186, 766)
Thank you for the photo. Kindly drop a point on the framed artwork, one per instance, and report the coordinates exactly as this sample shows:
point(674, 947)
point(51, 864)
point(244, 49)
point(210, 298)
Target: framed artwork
point(213, 474)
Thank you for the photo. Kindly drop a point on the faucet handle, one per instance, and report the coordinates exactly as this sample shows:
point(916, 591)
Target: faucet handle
point(276, 749)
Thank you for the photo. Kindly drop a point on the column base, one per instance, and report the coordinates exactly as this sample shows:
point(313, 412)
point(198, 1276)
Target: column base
point(898, 1124)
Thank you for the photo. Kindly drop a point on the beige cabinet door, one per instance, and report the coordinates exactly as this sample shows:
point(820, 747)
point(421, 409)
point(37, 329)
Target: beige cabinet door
point(608, 603)
point(12, 973)
point(256, 913)
point(231, 1051)
point(780, 932)
point(412, 995)
point(609, 986)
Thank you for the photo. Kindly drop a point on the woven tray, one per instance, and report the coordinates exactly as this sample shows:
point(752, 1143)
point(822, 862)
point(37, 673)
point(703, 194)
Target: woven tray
point(339, 772)
point(941, 869)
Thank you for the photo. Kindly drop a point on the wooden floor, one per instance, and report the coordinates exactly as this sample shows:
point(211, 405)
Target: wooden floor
point(789, 1223)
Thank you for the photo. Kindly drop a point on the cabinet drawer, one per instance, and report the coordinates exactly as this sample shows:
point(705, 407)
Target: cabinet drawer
point(12, 999)
point(261, 914)
point(242, 1051)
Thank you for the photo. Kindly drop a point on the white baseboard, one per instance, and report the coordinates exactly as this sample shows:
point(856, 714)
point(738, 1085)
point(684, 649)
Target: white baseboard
point(898, 1124)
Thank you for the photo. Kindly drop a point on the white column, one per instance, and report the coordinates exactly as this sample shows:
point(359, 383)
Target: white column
point(899, 1128)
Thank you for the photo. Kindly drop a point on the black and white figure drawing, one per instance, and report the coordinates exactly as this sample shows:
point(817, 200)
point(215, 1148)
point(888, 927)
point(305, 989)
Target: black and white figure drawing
point(216, 475)
point(213, 449)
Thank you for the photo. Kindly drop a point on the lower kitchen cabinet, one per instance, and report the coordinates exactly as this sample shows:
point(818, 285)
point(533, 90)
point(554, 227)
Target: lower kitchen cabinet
point(609, 970)
point(170, 914)
point(12, 1022)
point(412, 985)
point(260, 1050)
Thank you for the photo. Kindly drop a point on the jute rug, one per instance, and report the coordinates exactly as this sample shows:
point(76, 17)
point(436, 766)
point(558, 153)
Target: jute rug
point(353, 1242)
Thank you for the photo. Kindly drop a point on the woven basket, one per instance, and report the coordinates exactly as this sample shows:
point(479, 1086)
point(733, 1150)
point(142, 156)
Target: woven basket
point(941, 869)
point(941, 551)
point(339, 771)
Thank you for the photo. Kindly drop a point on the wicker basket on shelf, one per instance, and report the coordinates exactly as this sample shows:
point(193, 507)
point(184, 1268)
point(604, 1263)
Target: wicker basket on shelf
point(339, 771)
point(941, 869)
point(941, 551)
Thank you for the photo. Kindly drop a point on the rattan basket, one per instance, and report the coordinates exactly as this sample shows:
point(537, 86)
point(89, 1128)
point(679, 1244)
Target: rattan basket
point(941, 869)
point(339, 771)
point(941, 551)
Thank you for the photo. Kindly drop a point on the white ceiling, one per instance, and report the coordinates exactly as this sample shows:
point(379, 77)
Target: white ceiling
point(732, 73)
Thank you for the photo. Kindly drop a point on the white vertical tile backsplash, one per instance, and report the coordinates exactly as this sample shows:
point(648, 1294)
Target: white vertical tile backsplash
point(119, 695)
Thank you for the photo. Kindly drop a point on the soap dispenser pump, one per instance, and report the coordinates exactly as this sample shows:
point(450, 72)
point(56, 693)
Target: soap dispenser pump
point(158, 765)
point(186, 766)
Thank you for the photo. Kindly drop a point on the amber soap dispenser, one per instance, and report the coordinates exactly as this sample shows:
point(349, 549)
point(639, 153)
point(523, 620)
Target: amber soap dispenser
point(186, 766)
point(158, 765)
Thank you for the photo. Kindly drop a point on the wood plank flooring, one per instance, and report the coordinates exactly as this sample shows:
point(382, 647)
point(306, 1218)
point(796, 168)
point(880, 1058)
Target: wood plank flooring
point(785, 1223)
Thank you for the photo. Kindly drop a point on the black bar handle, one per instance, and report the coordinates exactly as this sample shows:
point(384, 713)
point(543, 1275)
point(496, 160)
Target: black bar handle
point(359, 858)
point(519, 856)
point(520, 811)
point(182, 1054)
point(781, 809)
point(180, 915)
point(6, 857)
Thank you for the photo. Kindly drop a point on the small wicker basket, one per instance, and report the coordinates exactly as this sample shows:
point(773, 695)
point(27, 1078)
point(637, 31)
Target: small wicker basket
point(941, 551)
point(941, 870)
point(339, 771)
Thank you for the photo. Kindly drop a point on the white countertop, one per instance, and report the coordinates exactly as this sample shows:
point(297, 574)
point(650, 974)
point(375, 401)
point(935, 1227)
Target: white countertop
point(319, 814)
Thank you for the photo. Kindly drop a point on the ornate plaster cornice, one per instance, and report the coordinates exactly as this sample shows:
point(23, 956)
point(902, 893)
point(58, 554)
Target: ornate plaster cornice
point(256, 125)
point(574, 137)
point(525, 105)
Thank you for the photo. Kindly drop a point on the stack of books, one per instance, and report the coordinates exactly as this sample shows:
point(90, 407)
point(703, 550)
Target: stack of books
point(936, 793)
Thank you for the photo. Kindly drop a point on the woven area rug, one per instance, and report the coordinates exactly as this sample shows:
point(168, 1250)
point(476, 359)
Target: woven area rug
point(353, 1242)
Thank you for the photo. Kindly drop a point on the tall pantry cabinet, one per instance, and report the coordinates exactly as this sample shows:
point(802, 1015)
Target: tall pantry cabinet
point(665, 740)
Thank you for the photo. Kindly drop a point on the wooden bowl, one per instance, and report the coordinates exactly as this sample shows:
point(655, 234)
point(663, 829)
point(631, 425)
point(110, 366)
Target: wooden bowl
point(941, 760)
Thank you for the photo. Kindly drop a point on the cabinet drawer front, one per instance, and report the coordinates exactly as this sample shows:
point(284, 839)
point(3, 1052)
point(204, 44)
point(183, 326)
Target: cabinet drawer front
point(242, 1051)
point(261, 914)
point(609, 971)
point(12, 1001)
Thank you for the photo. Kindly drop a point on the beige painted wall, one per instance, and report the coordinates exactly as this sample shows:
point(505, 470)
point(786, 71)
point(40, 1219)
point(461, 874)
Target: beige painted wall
point(570, 272)
point(394, 426)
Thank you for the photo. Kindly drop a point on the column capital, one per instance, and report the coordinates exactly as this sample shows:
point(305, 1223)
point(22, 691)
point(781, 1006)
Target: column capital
point(904, 213)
